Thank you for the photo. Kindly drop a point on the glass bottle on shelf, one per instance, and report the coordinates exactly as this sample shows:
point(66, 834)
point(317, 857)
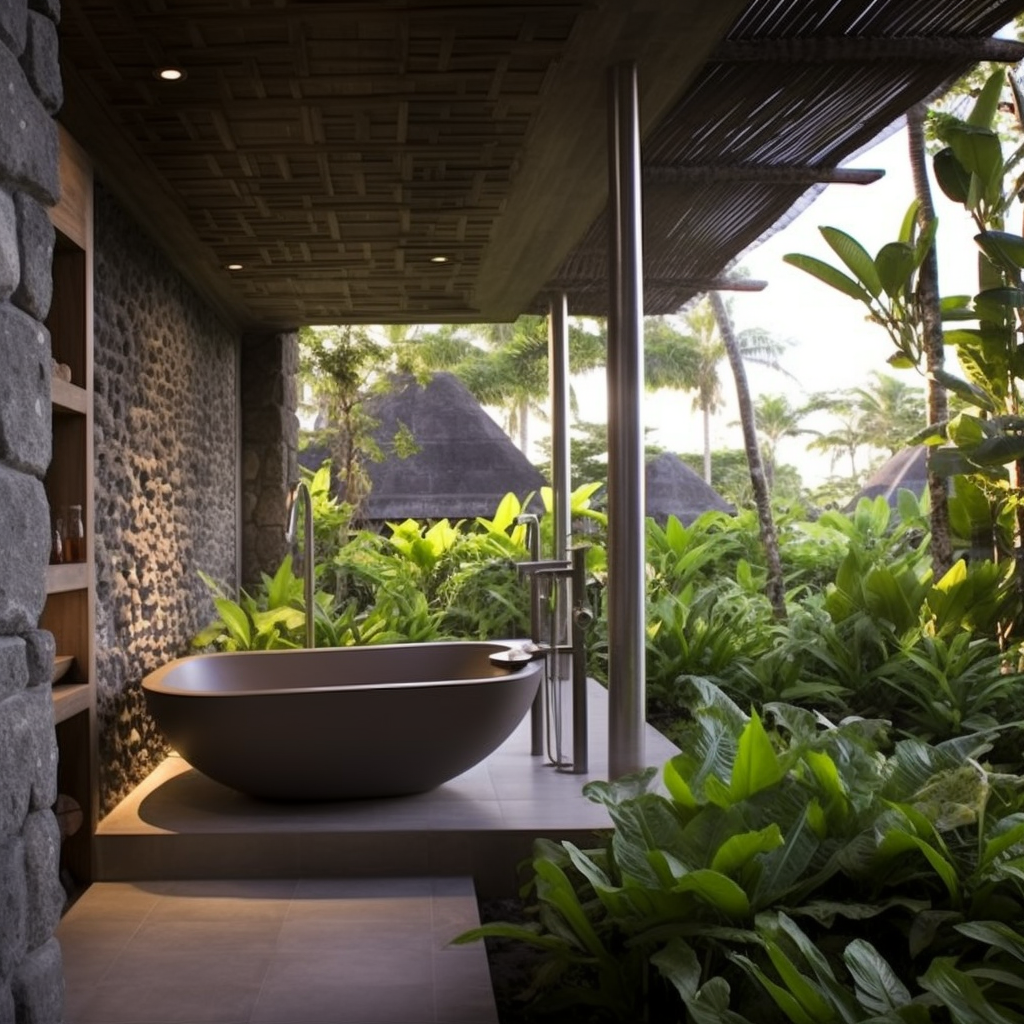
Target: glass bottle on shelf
point(57, 542)
point(74, 536)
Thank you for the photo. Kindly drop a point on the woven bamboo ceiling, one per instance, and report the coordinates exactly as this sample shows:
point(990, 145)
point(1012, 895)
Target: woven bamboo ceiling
point(334, 148)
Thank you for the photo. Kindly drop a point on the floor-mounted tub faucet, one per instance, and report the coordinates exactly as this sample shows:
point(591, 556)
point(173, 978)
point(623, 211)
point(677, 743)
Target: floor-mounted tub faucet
point(556, 643)
point(302, 491)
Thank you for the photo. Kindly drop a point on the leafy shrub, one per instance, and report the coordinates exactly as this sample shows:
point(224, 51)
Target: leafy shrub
point(694, 897)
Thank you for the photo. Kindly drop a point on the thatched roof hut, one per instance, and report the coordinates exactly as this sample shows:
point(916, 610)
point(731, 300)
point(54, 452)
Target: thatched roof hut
point(906, 470)
point(465, 463)
point(672, 488)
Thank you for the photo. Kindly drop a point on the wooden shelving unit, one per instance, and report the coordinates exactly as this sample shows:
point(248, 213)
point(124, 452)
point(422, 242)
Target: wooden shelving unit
point(70, 587)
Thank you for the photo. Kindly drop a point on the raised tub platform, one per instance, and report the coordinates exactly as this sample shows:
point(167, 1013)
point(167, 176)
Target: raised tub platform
point(180, 825)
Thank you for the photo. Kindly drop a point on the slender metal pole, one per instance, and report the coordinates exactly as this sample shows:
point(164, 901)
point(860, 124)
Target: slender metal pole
point(558, 385)
point(626, 578)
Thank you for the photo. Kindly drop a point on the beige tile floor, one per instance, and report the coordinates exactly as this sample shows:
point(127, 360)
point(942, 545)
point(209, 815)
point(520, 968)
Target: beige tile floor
point(273, 951)
point(218, 909)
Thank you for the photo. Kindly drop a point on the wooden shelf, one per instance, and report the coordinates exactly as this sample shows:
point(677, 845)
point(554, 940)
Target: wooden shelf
point(69, 612)
point(62, 578)
point(70, 699)
point(68, 397)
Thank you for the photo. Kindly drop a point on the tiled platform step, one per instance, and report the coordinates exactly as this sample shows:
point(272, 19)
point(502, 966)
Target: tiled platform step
point(275, 951)
point(179, 824)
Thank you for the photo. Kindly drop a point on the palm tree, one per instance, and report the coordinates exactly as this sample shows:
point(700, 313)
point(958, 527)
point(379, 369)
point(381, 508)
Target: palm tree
point(892, 411)
point(697, 369)
point(732, 347)
point(505, 365)
point(847, 436)
point(775, 419)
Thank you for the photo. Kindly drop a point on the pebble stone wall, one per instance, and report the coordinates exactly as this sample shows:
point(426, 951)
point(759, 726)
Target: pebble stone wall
point(166, 457)
point(270, 433)
point(31, 898)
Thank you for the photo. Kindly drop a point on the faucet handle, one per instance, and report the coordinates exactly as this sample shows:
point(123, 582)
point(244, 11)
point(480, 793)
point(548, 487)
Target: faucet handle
point(548, 567)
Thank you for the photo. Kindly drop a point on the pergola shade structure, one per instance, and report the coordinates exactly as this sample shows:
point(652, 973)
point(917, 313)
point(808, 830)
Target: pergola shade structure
point(336, 149)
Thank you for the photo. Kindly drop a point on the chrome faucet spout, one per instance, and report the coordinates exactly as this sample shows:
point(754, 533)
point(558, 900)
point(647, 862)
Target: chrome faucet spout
point(302, 492)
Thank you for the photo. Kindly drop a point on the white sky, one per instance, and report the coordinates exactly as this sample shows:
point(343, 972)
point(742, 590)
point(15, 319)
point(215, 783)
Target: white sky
point(833, 347)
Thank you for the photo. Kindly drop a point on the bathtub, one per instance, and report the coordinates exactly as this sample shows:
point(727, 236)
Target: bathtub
point(341, 723)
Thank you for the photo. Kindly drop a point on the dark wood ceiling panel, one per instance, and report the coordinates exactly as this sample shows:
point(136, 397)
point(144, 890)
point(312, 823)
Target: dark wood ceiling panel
point(334, 148)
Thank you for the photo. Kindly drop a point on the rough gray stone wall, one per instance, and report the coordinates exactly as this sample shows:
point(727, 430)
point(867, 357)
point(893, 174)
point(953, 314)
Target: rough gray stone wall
point(166, 452)
point(31, 898)
point(270, 436)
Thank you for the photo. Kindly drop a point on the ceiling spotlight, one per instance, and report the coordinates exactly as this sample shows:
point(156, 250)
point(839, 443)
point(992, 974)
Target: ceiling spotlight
point(439, 259)
point(234, 266)
point(170, 74)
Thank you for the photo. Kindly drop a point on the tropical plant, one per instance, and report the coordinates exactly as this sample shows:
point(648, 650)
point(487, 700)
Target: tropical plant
point(696, 891)
point(340, 364)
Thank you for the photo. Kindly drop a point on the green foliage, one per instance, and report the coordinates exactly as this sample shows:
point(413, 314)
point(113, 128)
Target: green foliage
point(697, 890)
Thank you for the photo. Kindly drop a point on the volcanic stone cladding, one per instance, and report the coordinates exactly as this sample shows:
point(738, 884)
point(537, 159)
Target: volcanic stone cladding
point(166, 457)
point(31, 898)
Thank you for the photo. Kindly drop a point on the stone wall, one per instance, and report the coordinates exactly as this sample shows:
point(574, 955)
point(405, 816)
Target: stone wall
point(166, 457)
point(31, 898)
point(270, 434)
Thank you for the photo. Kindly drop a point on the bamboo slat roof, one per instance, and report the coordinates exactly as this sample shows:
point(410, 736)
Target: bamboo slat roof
point(334, 148)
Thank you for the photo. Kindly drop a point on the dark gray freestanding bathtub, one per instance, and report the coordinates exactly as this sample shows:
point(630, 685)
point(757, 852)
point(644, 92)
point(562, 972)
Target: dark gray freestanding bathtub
point(340, 723)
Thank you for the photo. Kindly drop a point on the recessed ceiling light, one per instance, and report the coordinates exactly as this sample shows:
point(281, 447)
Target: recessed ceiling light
point(234, 266)
point(439, 259)
point(170, 74)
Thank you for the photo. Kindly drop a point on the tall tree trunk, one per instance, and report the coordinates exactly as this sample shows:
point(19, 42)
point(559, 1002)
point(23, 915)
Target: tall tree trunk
point(932, 343)
point(524, 424)
point(706, 419)
point(776, 587)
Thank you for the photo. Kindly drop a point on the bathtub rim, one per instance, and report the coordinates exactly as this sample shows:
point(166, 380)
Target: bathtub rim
point(155, 681)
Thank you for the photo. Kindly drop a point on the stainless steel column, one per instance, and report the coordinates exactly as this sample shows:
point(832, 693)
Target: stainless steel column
point(626, 579)
point(561, 513)
point(558, 384)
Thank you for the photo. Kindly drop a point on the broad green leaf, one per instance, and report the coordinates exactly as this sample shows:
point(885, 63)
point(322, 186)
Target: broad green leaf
point(555, 888)
point(678, 963)
point(994, 933)
point(896, 842)
point(983, 113)
point(998, 303)
point(235, 619)
point(953, 178)
point(279, 589)
point(739, 850)
point(1003, 248)
point(1003, 842)
point(806, 992)
point(856, 258)
point(895, 263)
point(757, 766)
point(677, 786)
point(878, 987)
point(716, 889)
point(829, 275)
point(998, 451)
point(961, 994)
point(827, 775)
point(908, 225)
point(785, 1000)
point(783, 867)
point(980, 153)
